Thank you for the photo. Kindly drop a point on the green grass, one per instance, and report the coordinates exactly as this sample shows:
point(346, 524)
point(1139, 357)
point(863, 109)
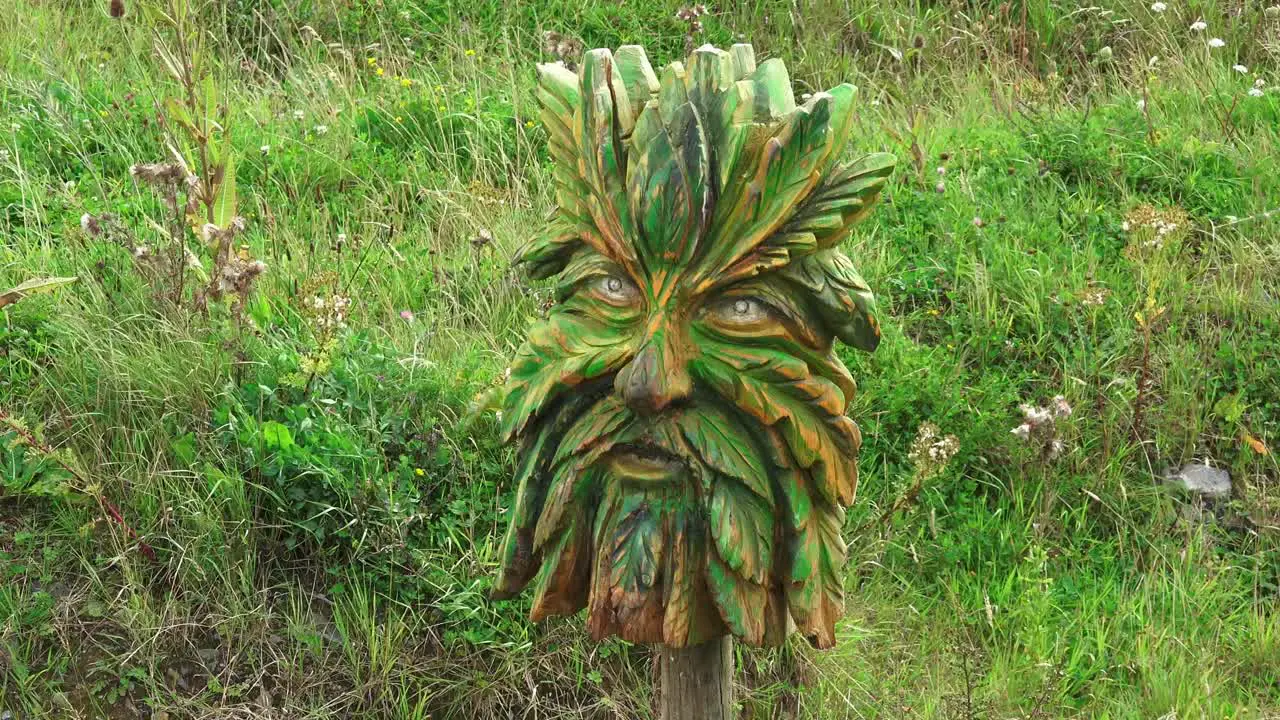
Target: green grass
point(325, 549)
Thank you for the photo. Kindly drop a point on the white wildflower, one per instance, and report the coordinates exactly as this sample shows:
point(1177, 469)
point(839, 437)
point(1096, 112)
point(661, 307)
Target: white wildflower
point(298, 114)
point(1255, 92)
point(1199, 26)
point(1142, 105)
point(1240, 69)
point(1217, 42)
point(265, 149)
point(321, 129)
point(1060, 407)
point(1158, 7)
point(1034, 415)
point(1259, 83)
point(1023, 431)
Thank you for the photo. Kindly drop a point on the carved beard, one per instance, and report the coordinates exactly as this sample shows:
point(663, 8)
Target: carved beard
point(685, 456)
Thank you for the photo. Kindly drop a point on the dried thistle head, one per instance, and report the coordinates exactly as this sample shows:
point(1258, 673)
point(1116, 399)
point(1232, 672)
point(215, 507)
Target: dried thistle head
point(1039, 429)
point(160, 174)
point(564, 48)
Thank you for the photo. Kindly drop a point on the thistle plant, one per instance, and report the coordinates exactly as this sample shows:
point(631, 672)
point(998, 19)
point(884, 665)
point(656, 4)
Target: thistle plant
point(196, 183)
point(685, 456)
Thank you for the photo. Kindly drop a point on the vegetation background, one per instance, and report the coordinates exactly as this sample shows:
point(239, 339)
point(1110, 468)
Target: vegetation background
point(235, 478)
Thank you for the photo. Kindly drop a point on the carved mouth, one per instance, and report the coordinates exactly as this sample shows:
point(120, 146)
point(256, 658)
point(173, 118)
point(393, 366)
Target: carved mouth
point(644, 460)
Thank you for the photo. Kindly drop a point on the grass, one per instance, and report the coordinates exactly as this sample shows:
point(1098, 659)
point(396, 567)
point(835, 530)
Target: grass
point(323, 548)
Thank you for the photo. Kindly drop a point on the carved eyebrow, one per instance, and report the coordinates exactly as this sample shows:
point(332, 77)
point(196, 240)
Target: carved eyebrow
point(792, 311)
point(584, 265)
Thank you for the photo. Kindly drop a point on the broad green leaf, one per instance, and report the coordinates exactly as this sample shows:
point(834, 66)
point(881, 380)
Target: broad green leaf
point(276, 435)
point(34, 286)
point(224, 203)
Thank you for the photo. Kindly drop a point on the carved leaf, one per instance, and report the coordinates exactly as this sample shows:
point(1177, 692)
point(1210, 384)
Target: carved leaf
point(518, 560)
point(845, 196)
point(562, 353)
point(823, 442)
point(548, 253)
point(841, 296)
point(562, 585)
point(742, 524)
point(723, 445)
point(816, 593)
point(741, 602)
point(679, 582)
point(787, 168)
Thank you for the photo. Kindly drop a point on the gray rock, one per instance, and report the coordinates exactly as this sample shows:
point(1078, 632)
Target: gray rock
point(1202, 480)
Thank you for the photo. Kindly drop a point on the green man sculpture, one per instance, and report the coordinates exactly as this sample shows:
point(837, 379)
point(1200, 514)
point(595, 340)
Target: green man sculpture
point(684, 455)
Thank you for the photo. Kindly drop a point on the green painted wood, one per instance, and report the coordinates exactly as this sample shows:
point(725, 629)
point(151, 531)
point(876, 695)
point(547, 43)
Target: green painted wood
point(685, 452)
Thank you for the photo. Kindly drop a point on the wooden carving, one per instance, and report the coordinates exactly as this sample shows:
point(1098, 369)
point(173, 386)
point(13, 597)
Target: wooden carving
point(684, 453)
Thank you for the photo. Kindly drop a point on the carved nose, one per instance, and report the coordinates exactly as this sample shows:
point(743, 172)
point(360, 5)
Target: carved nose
point(655, 379)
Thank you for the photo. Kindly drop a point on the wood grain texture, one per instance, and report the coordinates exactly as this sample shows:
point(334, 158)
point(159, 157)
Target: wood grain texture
point(685, 453)
point(696, 683)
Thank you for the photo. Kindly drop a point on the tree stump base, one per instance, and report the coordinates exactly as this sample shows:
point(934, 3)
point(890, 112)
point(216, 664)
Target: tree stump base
point(696, 683)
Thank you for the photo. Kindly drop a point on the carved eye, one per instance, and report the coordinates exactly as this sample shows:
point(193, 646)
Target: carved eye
point(616, 289)
point(739, 311)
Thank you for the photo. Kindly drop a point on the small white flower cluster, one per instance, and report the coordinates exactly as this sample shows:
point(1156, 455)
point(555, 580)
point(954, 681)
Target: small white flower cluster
point(931, 451)
point(1094, 296)
point(1039, 426)
point(1158, 7)
point(1162, 229)
point(330, 312)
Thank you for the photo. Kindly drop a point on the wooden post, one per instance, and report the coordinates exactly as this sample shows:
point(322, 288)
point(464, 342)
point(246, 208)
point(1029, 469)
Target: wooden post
point(696, 683)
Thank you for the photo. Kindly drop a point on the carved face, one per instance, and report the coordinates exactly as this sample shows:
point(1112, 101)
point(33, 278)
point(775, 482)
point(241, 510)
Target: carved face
point(685, 456)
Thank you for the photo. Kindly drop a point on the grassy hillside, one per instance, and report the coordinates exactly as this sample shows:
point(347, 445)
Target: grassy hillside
point(266, 502)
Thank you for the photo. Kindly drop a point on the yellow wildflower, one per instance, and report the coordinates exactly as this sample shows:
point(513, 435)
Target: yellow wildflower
point(405, 82)
point(471, 53)
point(399, 119)
point(373, 61)
point(528, 124)
point(419, 472)
point(380, 72)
